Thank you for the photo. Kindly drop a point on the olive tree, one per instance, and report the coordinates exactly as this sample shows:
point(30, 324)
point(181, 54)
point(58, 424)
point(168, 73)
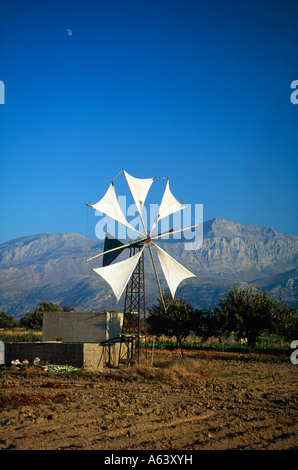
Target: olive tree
point(33, 321)
point(173, 317)
point(250, 312)
point(7, 321)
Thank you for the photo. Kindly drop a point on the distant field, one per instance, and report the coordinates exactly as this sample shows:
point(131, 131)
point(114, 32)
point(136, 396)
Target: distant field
point(19, 335)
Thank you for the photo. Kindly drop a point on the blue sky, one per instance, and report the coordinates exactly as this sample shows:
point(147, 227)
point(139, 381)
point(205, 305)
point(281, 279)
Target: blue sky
point(195, 90)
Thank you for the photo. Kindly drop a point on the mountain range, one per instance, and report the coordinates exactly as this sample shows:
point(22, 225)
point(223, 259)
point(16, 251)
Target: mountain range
point(50, 266)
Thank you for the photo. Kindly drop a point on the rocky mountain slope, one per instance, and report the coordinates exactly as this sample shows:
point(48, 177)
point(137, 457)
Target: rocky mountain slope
point(50, 266)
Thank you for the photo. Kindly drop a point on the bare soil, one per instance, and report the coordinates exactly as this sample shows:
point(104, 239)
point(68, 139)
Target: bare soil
point(207, 401)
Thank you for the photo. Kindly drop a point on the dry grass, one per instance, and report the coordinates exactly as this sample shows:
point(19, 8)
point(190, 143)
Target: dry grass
point(19, 335)
point(167, 370)
point(18, 331)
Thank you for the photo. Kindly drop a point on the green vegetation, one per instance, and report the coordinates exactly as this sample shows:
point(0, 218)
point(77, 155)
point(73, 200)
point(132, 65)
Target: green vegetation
point(31, 321)
point(175, 319)
point(251, 313)
point(268, 344)
point(7, 321)
point(19, 336)
point(246, 314)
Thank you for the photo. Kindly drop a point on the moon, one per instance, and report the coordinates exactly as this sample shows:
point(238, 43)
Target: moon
point(69, 32)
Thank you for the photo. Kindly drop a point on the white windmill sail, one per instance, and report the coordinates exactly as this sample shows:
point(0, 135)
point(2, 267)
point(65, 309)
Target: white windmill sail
point(118, 274)
point(139, 188)
point(109, 205)
point(169, 204)
point(173, 271)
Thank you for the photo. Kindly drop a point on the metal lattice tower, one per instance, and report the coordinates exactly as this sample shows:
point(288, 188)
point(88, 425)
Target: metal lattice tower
point(135, 304)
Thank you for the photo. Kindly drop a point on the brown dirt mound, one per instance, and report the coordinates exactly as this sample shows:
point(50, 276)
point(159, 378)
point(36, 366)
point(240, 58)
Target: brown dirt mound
point(21, 399)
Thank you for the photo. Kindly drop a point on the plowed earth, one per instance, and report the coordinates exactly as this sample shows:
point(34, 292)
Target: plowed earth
point(207, 401)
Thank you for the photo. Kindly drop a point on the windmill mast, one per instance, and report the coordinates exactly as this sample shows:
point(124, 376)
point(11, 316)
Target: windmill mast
point(135, 304)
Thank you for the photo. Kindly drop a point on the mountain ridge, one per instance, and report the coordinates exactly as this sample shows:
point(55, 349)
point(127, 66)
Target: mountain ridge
point(50, 266)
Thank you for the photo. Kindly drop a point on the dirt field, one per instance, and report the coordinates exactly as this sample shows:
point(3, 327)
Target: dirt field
point(208, 401)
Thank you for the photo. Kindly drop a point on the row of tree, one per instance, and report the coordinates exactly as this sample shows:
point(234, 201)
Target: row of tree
point(32, 321)
point(246, 312)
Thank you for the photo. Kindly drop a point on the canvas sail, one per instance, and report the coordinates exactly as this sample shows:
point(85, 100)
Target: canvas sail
point(139, 189)
point(169, 204)
point(109, 205)
point(173, 271)
point(117, 275)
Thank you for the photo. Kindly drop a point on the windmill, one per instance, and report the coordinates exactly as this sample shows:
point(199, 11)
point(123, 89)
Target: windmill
point(129, 274)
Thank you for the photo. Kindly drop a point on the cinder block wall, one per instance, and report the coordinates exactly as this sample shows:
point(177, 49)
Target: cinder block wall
point(82, 327)
point(90, 355)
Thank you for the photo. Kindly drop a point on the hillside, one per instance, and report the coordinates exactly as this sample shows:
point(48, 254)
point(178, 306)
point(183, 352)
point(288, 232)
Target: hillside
point(50, 266)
